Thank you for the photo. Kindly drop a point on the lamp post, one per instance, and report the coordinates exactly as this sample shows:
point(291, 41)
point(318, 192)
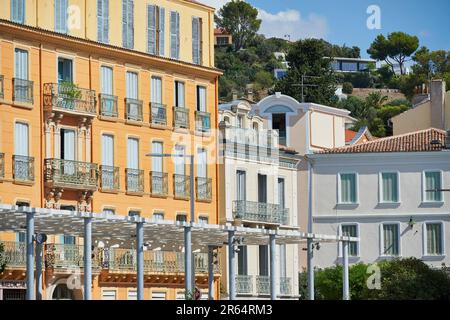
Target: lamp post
point(189, 278)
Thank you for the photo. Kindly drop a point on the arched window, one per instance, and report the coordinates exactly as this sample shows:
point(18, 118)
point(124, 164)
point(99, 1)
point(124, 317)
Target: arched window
point(62, 292)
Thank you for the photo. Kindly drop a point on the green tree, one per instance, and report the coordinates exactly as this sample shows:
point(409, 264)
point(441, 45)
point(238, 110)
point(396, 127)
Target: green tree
point(2, 258)
point(347, 88)
point(397, 47)
point(241, 20)
point(307, 57)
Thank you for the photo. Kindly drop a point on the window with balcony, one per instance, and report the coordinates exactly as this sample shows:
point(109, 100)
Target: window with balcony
point(23, 164)
point(108, 102)
point(196, 40)
point(174, 35)
point(133, 105)
point(158, 109)
point(155, 29)
point(61, 15)
point(103, 21)
point(23, 88)
point(389, 187)
point(390, 239)
point(128, 24)
point(434, 241)
point(202, 117)
point(109, 173)
point(18, 11)
point(181, 180)
point(181, 113)
point(134, 175)
point(348, 188)
point(204, 183)
point(158, 178)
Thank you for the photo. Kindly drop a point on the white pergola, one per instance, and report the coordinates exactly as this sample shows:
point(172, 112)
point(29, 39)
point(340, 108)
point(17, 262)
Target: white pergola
point(145, 232)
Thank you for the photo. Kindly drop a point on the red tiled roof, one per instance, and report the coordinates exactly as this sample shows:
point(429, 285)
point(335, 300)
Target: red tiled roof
point(220, 31)
point(349, 135)
point(410, 142)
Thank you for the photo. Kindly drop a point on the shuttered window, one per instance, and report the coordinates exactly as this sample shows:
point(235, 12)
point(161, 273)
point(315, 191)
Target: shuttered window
point(133, 153)
point(61, 15)
point(18, 11)
point(103, 21)
point(390, 239)
point(196, 40)
point(179, 94)
point(132, 85)
point(157, 162)
point(389, 187)
point(106, 80)
point(351, 230)
point(21, 64)
point(156, 90)
point(434, 239)
point(433, 186)
point(174, 35)
point(348, 188)
point(162, 31)
point(151, 29)
point(128, 24)
point(21, 139)
point(201, 98)
point(201, 163)
point(107, 150)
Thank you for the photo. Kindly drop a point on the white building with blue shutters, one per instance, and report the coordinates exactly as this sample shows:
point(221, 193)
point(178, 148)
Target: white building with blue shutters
point(392, 193)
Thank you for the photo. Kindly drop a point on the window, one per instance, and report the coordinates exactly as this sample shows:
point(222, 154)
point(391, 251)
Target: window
point(391, 240)
point(20, 64)
point(21, 236)
point(433, 183)
point(133, 153)
point(181, 218)
point(174, 35)
point(264, 260)
point(65, 70)
point(133, 213)
point(156, 90)
point(201, 99)
point(179, 161)
point(279, 123)
point(67, 239)
point(103, 21)
point(21, 139)
point(158, 216)
point(155, 29)
point(157, 162)
point(109, 295)
point(349, 66)
point(262, 188)
point(203, 220)
point(348, 188)
point(132, 295)
point(196, 40)
point(106, 85)
point(282, 251)
point(132, 85)
point(107, 150)
point(240, 121)
point(128, 24)
point(18, 11)
point(161, 296)
point(61, 15)
point(389, 187)
point(201, 163)
point(242, 268)
point(179, 94)
point(241, 185)
point(281, 193)
point(434, 242)
point(351, 230)
point(109, 211)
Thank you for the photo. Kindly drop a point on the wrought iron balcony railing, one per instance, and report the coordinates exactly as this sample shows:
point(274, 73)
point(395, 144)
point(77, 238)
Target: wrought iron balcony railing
point(158, 184)
point(155, 261)
point(109, 178)
point(181, 118)
point(67, 97)
point(135, 180)
point(23, 90)
point(181, 186)
point(285, 286)
point(158, 113)
point(71, 174)
point(260, 212)
point(23, 168)
point(202, 121)
point(133, 110)
point(244, 284)
point(262, 285)
point(14, 254)
point(2, 165)
point(108, 105)
point(2, 87)
point(66, 256)
point(204, 188)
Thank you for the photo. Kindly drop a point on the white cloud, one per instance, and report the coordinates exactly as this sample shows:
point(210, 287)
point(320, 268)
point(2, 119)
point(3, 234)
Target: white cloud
point(290, 22)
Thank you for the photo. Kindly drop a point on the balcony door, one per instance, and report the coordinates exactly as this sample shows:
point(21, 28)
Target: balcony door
point(65, 70)
point(21, 151)
point(242, 261)
point(180, 168)
point(262, 188)
point(107, 161)
point(68, 151)
point(264, 260)
point(157, 168)
point(133, 164)
point(179, 94)
point(241, 185)
point(133, 111)
point(279, 123)
point(106, 87)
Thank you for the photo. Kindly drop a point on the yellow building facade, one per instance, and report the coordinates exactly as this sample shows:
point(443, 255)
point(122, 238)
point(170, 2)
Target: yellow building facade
point(87, 90)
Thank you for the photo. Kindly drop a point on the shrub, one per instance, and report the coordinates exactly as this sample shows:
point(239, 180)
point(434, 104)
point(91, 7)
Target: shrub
point(347, 88)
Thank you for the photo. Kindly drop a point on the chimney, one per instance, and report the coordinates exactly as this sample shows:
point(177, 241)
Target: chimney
point(447, 140)
point(437, 103)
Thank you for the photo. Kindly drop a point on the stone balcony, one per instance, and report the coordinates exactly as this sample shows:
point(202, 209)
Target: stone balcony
point(67, 98)
point(59, 173)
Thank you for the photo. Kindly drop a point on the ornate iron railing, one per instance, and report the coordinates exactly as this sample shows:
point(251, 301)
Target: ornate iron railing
point(262, 285)
point(108, 105)
point(2, 165)
point(23, 168)
point(133, 110)
point(23, 90)
point(204, 188)
point(67, 97)
point(14, 254)
point(244, 284)
point(285, 286)
point(156, 261)
point(158, 183)
point(71, 174)
point(158, 114)
point(260, 212)
point(135, 180)
point(64, 256)
point(181, 117)
point(110, 178)
point(181, 186)
point(2, 87)
point(202, 121)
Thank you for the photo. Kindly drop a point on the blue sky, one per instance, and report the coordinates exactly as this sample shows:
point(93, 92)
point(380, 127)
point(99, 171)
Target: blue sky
point(344, 21)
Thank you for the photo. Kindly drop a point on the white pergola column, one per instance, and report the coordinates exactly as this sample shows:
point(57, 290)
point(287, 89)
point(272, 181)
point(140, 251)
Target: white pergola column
point(210, 273)
point(273, 268)
point(87, 258)
point(188, 270)
point(310, 268)
point(30, 256)
point(231, 266)
point(140, 260)
point(345, 276)
point(38, 271)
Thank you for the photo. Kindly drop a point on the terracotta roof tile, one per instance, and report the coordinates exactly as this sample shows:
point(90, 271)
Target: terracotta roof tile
point(410, 142)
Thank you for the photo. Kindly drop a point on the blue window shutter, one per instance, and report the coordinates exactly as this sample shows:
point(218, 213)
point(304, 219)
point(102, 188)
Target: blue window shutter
point(162, 33)
point(61, 16)
point(178, 35)
point(103, 20)
point(173, 35)
point(128, 23)
point(124, 22)
point(151, 29)
point(195, 41)
point(18, 11)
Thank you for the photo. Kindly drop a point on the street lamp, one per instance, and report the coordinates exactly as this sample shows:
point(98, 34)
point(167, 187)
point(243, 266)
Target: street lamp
point(189, 278)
